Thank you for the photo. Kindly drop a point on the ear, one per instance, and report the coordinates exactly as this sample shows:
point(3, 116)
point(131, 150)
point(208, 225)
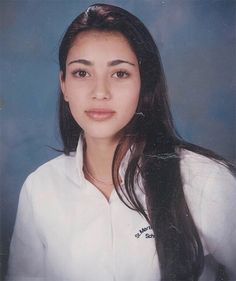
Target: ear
point(62, 85)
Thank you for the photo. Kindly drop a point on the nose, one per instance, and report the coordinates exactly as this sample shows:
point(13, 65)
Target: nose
point(101, 90)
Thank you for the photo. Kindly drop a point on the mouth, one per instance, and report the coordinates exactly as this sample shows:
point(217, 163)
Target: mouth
point(100, 114)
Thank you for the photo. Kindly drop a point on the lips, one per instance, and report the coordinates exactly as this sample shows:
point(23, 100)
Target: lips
point(100, 114)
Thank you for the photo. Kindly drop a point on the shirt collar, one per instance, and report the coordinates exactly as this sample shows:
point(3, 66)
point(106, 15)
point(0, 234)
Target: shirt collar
point(123, 166)
point(79, 161)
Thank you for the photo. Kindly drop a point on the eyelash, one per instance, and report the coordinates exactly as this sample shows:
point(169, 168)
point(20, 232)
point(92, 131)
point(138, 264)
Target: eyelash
point(77, 73)
point(123, 72)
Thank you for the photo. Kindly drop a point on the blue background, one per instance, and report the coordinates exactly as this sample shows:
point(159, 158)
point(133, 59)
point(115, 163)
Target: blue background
point(197, 42)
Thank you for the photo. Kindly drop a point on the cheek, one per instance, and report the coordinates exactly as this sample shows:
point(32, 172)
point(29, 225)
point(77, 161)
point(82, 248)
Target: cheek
point(132, 96)
point(128, 102)
point(78, 113)
point(76, 105)
point(75, 93)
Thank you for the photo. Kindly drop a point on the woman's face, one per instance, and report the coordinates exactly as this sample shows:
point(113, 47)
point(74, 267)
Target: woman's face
point(102, 83)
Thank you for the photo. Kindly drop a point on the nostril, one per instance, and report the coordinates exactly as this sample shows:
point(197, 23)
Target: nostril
point(101, 95)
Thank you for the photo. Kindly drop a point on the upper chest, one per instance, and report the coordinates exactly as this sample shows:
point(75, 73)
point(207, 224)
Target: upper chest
point(82, 227)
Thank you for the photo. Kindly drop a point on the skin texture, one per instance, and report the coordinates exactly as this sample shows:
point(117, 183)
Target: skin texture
point(102, 86)
point(96, 84)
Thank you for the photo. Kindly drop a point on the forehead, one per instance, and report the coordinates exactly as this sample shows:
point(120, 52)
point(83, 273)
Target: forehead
point(95, 33)
point(96, 42)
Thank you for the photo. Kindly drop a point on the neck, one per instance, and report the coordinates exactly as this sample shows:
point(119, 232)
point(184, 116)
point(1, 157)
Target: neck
point(98, 158)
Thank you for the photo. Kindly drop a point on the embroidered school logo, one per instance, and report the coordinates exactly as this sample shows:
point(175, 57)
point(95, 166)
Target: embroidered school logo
point(147, 232)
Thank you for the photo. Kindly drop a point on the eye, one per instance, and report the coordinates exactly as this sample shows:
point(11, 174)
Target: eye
point(120, 74)
point(80, 73)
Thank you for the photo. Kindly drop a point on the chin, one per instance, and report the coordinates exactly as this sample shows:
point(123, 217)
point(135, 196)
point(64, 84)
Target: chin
point(100, 134)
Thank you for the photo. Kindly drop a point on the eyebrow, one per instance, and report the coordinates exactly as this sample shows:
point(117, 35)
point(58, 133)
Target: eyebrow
point(111, 63)
point(116, 62)
point(83, 61)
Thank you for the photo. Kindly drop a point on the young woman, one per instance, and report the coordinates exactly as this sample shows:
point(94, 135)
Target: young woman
point(128, 200)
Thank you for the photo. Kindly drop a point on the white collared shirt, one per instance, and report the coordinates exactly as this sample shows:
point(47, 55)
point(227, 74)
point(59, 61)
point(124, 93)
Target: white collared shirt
point(66, 230)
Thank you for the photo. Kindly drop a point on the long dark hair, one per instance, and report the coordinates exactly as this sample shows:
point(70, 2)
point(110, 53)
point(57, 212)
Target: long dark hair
point(155, 145)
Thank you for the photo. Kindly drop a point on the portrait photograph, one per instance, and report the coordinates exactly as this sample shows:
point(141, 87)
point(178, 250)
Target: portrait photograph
point(118, 140)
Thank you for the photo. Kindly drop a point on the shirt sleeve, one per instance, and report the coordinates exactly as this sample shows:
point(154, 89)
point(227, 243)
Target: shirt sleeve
point(26, 261)
point(218, 216)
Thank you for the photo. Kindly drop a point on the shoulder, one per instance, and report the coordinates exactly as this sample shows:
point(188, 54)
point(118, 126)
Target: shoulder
point(205, 175)
point(56, 166)
point(194, 165)
point(51, 173)
point(210, 192)
point(50, 187)
point(206, 180)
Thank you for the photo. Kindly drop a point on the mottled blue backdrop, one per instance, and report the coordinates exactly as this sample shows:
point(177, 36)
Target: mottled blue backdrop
point(197, 42)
